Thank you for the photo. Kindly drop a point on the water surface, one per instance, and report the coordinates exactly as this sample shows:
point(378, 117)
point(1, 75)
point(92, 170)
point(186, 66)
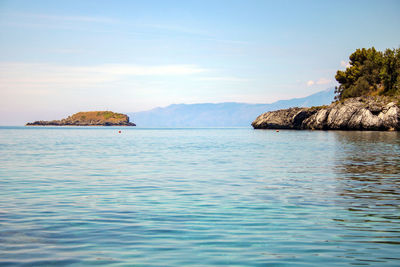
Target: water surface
point(198, 197)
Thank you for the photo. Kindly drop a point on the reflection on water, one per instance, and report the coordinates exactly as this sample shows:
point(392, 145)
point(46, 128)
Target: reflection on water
point(186, 197)
point(368, 174)
point(368, 164)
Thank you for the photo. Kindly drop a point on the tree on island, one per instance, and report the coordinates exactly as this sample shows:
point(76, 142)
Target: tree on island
point(371, 73)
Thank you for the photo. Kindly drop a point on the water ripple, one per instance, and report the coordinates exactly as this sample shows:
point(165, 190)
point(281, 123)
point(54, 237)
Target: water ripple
point(198, 197)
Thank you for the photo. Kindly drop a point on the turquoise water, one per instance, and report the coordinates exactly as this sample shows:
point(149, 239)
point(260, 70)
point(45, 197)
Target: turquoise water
point(198, 197)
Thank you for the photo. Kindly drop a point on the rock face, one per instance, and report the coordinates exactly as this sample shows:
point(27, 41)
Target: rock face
point(90, 118)
point(359, 113)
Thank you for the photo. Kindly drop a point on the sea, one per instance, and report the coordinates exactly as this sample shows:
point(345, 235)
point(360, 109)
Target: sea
point(126, 196)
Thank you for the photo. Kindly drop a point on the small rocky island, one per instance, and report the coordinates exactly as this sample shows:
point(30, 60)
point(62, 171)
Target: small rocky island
point(90, 118)
point(367, 98)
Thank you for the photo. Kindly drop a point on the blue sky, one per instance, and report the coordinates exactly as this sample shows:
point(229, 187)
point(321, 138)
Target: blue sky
point(61, 57)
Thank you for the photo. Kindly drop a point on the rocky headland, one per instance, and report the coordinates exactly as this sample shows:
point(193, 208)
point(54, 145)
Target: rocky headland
point(359, 113)
point(90, 118)
point(368, 98)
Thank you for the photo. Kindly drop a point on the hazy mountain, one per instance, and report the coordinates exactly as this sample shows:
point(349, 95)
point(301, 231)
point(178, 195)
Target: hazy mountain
point(221, 114)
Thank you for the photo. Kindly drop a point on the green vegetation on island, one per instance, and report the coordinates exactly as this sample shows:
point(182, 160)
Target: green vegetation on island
point(368, 98)
point(371, 73)
point(90, 118)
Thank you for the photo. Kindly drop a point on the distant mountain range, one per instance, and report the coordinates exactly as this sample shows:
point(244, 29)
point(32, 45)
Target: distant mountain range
point(230, 114)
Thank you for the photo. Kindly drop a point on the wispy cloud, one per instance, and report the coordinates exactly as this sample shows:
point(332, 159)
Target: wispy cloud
point(60, 22)
point(310, 83)
point(223, 78)
point(320, 81)
point(121, 69)
point(47, 75)
point(323, 81)
point(344, 64)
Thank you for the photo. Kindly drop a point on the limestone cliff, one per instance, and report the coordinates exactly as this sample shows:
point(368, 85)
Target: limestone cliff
point(361, 113)
point(90, 118)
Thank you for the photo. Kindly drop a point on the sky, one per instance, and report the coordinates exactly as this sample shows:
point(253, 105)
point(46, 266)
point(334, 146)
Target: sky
point(61, 57)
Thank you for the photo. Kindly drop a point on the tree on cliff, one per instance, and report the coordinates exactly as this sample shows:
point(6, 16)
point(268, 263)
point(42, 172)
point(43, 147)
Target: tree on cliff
point(371, 72)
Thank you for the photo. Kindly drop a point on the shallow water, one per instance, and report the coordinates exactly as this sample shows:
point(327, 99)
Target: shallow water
point(198, 197)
